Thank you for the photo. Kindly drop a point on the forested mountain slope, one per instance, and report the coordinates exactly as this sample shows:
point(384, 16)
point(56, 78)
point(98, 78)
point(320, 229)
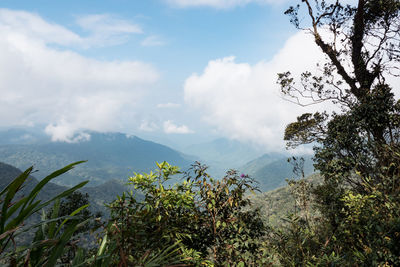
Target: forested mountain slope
point(110, 156)
point(277, 204)
point(272, 170)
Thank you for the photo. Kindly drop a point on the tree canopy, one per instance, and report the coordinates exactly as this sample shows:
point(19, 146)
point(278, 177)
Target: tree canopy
point(356, 149)
point(361, 45)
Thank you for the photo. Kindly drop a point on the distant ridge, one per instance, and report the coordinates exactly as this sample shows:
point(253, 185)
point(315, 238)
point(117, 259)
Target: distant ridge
point(109, 155)
point(232, 151)
point(22, 136)
point(9, 172)
point(272, 170)
point(223, 154)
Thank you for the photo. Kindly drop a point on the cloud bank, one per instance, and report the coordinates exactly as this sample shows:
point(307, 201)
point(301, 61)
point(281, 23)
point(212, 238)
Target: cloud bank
point(44, 84)
point(148, 126)
point(171, 128)
point(243, 101)
point(168, 105)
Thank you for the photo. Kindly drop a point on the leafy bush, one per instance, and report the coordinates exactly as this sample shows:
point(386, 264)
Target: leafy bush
point(205, 219)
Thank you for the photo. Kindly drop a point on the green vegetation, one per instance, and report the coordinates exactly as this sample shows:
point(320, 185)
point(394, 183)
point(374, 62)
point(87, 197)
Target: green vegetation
point(49, 240)
point(200, 221)
point(346, 215)
point(272, 171)
point(205, 218)
point(356, 150)
point(98, 195)
point(277, 204)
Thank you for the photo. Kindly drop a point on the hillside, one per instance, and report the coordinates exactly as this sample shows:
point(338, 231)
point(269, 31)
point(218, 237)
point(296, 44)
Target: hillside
point(8, 173)
point(98, 195)
point(272, 170)
point(275, 205)
point(110, 156)
point(223, 154)
point(221, 149)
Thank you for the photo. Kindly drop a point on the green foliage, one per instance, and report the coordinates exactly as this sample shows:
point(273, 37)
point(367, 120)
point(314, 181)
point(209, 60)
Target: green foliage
point(226, 229)
point(357, 149)
point(76, 205)
point(306, 130)
point(366, 231)
point(98, 195)
point(271, 170)
point(199, 221)
point(298, 239)
point(53, 241)
point(205, 220)
point(74, 202)
point(137, 227)
point(14, 213)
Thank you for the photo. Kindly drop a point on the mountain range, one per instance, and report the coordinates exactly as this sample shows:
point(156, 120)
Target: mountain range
point(223, 154)
point(116, 156)
point(272, 170)
point(110, 156)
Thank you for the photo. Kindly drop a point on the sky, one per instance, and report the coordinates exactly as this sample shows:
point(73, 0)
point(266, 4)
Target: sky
point(179, 70)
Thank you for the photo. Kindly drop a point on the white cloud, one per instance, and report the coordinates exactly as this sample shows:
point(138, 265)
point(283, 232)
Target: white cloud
point(60, 88)
point(243, 101)
point(33, 26)
point(153, 40)
point(66, 132)
point(101, 29)
point(220, 4)
point(168, 105)
point(171, 128)
point(105, 23)
point(148, 126)
point(105, 29)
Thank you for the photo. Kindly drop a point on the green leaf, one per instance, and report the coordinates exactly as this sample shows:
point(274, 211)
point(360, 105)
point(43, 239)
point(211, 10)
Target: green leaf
point(54, 215)
point(21, 216)
point(48, 178)
point(58, 250)
point(16, 206)
point(63, 194)
point(11, 190)
point(102, 247)
point(71, 215)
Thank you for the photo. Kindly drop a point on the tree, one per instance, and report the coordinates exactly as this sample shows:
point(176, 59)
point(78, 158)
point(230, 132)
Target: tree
point(75, 201)
point(356, 149)
point(226, 226)
point(72, 203)
point(208, 219)
point(362, 48)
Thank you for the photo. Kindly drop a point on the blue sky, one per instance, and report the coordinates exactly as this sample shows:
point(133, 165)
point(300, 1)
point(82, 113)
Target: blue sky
point(192, 34)
point(178, 70)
